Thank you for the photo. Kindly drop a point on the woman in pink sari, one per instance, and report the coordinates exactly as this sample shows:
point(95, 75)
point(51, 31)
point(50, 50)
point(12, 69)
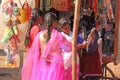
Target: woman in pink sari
point(44, 60)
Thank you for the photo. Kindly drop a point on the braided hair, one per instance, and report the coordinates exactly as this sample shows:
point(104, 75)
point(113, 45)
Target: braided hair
point(48, 19)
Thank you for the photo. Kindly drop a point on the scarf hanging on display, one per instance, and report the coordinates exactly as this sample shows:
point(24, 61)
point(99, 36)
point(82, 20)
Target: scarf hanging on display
point(55, 4)
point(65, 5)
point(95, 2)
point(48, 4)
point(107, 4)
point(90, 2)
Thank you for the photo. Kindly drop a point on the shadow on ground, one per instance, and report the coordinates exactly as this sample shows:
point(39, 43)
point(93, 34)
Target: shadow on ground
point(10, 74)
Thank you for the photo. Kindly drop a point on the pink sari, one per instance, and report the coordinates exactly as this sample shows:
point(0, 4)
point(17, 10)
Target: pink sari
point(49, 64)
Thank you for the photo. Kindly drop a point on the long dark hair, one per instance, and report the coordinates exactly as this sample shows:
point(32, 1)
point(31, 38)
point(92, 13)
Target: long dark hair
point(33, 18)
point(48, 19)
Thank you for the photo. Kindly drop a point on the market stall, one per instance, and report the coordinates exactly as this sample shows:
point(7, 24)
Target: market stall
point(23, 7)
point(66, 8)
point(14, 20)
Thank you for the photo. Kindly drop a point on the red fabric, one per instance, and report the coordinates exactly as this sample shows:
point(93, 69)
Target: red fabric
point(95, 7)
point(96, 25)
point(90, 2)
point(65, 5)
point(90, 65)
point(82, 3)
point(34, 30)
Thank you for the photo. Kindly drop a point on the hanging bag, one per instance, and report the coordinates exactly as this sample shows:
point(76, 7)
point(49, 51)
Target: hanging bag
point(24, 11)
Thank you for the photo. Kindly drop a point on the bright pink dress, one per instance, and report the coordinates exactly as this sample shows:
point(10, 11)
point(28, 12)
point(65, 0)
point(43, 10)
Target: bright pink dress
point(48, 64)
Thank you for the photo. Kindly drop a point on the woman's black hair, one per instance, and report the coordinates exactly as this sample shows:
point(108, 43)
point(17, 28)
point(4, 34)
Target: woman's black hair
point(48, 19)
point(62, 22)
point(71, 22)
point(33, 18)
point(53, 10)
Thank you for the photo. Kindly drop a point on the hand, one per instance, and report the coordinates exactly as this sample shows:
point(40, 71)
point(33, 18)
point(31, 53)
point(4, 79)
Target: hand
point(93, 29)
point(100, 41)
point(83, 45)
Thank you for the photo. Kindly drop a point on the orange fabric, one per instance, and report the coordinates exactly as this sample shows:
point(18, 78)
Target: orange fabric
point(65, 5)
point(95, 7)
point(35, 29)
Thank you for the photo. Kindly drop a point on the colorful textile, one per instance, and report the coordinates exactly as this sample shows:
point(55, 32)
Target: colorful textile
point(67, 58)
point(65, 5)
point(48, 63)
point(108, 5)
point(48, 4)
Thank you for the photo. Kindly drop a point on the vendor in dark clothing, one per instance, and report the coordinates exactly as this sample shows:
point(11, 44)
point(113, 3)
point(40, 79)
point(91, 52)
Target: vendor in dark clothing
point(90, 61)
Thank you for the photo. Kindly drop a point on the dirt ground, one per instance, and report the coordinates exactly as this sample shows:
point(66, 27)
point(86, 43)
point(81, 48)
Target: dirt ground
point(7, 73)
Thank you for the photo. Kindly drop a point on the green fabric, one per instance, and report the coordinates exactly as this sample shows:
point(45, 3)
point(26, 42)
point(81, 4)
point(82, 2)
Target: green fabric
point(9, 35)
point(48, 3)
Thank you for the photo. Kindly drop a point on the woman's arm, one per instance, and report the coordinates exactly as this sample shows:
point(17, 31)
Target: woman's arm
point(92, 43)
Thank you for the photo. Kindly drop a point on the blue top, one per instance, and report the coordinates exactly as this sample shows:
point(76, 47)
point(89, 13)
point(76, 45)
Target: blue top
point(79, 40)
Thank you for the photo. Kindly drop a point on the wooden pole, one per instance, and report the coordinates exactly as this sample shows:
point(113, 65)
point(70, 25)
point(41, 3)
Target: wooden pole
point(117, 33)
point(36, 3)
point(117, 25)
point(74, 38)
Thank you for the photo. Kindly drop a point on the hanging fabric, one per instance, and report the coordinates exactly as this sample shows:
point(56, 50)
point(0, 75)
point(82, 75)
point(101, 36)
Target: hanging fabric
point(48, 4)
point(90, 2)
point(95, 7)
point(108, 5)
point(82, 3)
point(65, 5)
point(55, 4)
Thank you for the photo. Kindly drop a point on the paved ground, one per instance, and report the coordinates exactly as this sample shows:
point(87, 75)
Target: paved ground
point(7, 73)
